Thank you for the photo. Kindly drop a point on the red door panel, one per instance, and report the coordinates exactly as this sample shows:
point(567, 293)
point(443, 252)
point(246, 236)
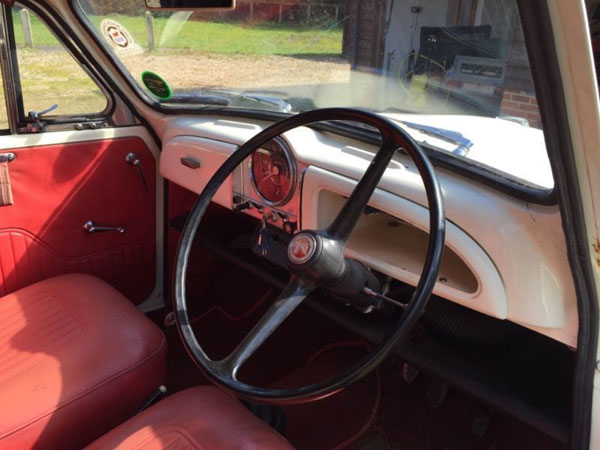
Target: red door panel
point(56, 189)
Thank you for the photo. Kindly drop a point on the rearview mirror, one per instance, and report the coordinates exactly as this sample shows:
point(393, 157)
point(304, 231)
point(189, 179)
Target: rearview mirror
point(189, 5)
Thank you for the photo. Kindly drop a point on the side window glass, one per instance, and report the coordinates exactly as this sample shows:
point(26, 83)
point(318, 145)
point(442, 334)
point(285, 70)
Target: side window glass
point(49, 73)
point(3, 114)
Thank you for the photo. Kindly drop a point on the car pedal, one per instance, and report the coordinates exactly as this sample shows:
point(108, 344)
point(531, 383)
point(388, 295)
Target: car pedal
point(156, 396)
point(271, 415)
point(480, 425)
point(436, 393)
point(409, 373)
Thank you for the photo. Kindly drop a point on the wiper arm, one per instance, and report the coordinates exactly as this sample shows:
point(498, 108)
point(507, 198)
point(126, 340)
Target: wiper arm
point(195, 97)
point(453, 137)
point(278, 103)
point(223, 97)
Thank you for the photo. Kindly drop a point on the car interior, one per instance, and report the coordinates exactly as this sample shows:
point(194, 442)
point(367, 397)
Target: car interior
point(282, 224)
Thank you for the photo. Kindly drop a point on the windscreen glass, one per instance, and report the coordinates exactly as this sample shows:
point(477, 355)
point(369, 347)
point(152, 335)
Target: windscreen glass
point(455, 73)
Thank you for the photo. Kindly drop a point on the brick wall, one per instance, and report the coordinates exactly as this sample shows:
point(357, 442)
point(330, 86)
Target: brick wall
point(518, 99)
point(521, 104)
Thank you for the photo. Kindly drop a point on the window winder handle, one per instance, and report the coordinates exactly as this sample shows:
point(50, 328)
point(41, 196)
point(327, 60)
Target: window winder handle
point(133, 159)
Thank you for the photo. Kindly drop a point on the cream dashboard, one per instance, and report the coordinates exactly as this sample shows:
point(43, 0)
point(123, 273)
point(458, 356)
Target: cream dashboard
point(494, 260)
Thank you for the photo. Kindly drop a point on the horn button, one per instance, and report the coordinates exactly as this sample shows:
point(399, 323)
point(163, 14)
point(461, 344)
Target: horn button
point(316, 258)
point(302, 248)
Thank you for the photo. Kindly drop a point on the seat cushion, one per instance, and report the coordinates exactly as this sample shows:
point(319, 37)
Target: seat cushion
point(202, 417)
point(76, 359)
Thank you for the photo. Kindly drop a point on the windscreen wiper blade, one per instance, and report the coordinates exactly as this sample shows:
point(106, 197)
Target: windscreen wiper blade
point(224, 97)
point(275, 102)
point(204, 99)
point(453, 137)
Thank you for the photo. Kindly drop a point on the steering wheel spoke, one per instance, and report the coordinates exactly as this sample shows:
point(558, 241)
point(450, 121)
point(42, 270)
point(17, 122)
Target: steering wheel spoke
point(290, 298)
point(346, 220)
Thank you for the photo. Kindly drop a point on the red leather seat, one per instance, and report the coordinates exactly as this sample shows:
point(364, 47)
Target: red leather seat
point(202, 417)
point(76, 359)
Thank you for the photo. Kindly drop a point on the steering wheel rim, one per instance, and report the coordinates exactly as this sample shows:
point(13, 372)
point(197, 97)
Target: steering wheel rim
point(223, 372)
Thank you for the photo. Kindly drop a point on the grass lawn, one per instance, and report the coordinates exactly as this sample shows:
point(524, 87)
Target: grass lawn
point(55, 77)
point(262, 39)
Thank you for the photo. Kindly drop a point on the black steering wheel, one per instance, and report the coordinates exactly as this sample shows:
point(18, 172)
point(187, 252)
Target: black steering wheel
point(315, 259)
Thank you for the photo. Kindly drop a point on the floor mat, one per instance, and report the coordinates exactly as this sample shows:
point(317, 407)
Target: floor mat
point(379, 412)
point(336, 421)
point(223, 312)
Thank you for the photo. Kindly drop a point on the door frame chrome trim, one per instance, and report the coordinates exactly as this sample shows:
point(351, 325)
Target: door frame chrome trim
point(10, 73)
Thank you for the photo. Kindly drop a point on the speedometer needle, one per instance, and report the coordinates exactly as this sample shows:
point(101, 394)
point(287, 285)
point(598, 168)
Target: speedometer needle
point(274, 172)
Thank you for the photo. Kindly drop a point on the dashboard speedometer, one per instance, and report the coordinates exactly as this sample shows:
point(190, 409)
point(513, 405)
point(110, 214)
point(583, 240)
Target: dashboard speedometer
point(273, 172)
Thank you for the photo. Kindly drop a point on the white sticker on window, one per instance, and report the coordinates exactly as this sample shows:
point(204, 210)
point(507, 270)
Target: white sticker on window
point(119, 38)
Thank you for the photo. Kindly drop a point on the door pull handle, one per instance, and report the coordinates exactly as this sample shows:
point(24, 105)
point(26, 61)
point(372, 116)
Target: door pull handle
point(91, 227)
